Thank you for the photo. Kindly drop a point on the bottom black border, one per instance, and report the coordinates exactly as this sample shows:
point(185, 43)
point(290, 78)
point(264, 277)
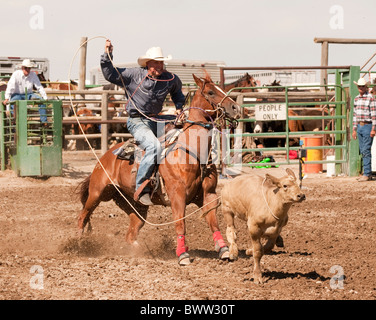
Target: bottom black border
point(188, 309)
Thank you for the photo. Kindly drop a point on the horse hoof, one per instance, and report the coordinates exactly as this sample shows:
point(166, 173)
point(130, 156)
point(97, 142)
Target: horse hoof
point(224, 253)
point(184, 259)
point(279, 242)
point(225, 256)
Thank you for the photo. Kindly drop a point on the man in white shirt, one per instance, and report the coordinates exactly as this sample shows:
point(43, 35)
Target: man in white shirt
point(22, 81)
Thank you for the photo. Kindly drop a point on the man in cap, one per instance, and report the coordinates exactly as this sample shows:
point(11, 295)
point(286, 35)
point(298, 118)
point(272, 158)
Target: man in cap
point(147, 88)
point(364, 125)
point(21, 83)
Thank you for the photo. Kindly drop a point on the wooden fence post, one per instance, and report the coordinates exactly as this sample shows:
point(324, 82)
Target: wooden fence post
point(324, 63)
point(82, 67)
point(104, 126)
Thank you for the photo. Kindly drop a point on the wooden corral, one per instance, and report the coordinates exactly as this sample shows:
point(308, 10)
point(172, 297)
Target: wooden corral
point(325, 51)
point(310, 98)
point(102, 105)
point(106, 108)
point(109, 112)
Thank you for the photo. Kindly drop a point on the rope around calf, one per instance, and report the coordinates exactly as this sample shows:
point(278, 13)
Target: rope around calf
point(100, 163)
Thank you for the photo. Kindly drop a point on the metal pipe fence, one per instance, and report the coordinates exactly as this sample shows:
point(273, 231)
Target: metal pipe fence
point(334, 101)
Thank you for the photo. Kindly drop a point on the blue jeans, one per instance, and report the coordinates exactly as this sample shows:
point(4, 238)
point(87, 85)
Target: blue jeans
point(145, 132)
point(365, 145)
point(42, 108)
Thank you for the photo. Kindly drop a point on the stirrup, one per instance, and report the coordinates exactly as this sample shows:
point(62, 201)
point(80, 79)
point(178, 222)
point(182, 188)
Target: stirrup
point(121, 154)
point(126, 151)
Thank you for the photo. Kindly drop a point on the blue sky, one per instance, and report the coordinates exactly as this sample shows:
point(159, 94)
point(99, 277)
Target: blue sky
point(247, 33)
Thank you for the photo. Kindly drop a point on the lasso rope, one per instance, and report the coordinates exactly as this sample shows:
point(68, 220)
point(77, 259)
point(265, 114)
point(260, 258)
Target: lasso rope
point(266, 202)
point(96, 156)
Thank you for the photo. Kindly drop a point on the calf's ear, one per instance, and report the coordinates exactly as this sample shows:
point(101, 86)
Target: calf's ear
point(291, 173)
point(273, 180)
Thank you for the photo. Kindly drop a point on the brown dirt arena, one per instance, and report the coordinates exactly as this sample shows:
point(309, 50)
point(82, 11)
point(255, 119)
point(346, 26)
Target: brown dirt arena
point(332, 231)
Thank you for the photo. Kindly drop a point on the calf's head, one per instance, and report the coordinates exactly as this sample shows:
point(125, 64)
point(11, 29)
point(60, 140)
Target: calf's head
point(287, 187)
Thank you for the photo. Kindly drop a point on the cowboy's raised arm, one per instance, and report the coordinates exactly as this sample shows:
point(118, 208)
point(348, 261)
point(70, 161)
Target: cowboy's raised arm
point(108, 70)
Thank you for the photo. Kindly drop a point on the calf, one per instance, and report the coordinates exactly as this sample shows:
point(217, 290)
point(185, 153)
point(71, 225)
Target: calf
point(264, 204)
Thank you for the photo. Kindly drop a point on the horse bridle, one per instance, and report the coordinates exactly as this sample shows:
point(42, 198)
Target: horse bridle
point(213, 104)
point(217, 107)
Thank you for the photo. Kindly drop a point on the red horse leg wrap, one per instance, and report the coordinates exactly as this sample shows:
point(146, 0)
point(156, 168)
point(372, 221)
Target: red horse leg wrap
point(181, 248)
point(218, 240)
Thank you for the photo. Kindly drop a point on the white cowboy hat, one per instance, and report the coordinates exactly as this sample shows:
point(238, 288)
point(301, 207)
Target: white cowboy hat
point(153, 53)
point(27, 63)
point(361, 82)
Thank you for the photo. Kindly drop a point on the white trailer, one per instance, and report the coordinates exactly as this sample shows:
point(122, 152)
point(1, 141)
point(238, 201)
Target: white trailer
point(284, 77)
point(182, 68)
point(10, 64)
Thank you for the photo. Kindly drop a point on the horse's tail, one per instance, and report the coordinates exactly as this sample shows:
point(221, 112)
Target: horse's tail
point(83, 189)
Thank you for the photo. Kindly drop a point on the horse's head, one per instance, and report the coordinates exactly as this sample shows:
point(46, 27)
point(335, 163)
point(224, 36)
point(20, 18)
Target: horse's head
point(277, 86)
point(245, 81)
point(216, 99)
point(373, 89)
point(42, 79)
point(248, 81)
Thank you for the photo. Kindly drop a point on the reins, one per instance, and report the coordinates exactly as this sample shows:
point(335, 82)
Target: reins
point(217, 108)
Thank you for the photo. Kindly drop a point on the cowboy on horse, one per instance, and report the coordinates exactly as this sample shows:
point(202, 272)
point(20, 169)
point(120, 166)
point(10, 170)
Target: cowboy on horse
point(147, 88)
point(186, 174)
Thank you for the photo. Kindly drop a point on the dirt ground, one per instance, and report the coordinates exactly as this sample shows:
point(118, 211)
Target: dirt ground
point(329, 252)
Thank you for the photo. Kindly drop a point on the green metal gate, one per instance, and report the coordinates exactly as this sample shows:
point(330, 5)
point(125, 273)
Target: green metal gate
point(27, 145)
point(339, 113)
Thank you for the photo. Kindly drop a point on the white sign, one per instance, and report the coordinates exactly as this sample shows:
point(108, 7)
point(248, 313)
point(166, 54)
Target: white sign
point(270, 112)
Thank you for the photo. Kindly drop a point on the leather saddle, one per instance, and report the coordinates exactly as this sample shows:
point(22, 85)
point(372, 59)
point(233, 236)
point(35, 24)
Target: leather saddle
point(128, 151)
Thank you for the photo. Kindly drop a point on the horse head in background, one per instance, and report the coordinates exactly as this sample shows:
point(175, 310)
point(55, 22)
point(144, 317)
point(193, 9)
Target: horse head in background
point(72, 85)
point(373, 89)
point(42, 79)
point(276, 86)
point(245, 81)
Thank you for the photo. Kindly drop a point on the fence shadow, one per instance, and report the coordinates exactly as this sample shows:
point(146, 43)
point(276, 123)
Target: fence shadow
point(71, 173)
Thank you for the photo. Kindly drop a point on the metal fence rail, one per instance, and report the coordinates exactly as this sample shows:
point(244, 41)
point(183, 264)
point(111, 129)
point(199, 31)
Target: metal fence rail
point(336, 108)
point(7, 136)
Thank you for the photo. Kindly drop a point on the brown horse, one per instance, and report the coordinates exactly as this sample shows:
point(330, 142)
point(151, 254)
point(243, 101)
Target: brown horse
point(42, 79)
point(72, 85)
point(186, 180)
point(243, 82)
point(373, 89)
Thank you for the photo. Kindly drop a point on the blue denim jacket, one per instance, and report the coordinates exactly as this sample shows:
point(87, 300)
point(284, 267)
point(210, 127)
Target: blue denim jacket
point(151, 94)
